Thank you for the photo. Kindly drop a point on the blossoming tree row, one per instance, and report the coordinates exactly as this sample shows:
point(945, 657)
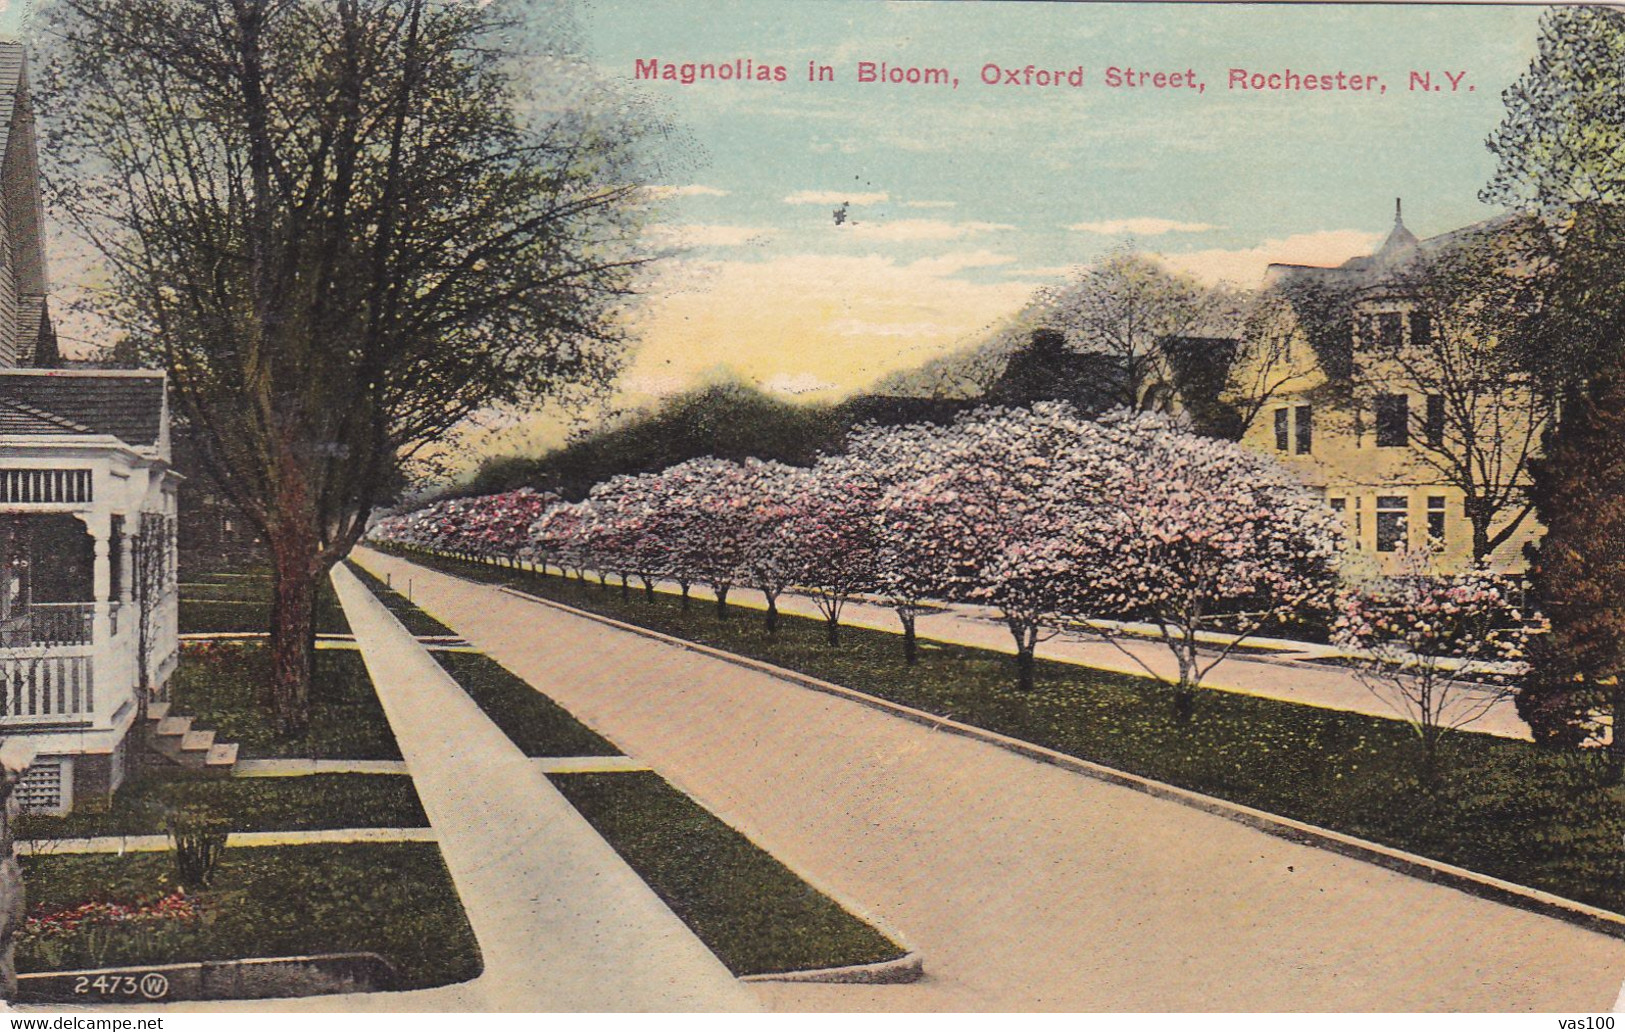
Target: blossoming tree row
point(1125, 528)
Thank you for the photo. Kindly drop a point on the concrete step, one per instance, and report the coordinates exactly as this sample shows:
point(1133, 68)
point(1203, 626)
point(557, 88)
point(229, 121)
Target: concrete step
point(176, 726)
point(157, 711)
point(197, 742)
point(222, 754)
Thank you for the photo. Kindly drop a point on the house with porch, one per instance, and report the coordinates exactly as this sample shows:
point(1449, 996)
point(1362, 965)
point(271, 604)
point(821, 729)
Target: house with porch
point(88, 586)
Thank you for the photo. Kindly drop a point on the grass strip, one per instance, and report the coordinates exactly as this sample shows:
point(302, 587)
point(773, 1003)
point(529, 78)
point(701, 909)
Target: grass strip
point(536, 724)
point(394, 899)
point(313, 802)
point(241, 603)
point(754, 913)
point(221, 684)
point(1540, 818)
point(416, 621)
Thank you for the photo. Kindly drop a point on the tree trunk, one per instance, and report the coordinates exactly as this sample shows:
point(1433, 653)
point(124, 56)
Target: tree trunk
point(772, 614)
point(684, 585)
point(832, 631)
point(626, 593)
point(1024, 667)
point(648, 589)
point(293, 637)
point(911, 647)
point(722, 602)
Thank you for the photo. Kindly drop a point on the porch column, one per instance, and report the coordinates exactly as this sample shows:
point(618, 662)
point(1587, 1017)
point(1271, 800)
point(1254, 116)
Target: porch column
point(101, 582)
point(126, 565)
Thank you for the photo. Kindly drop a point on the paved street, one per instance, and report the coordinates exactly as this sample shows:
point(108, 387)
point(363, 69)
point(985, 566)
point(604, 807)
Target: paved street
point(1025, 886)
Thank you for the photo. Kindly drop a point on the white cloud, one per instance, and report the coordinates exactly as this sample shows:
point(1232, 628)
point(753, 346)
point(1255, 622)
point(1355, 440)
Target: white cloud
point(692, 190)
point(930, 204)
point(796, 383)
point(1141, 227)
point(922, 229)
point(659, 386)
point(709, 236)
point(834, 197)
point(1245, 266)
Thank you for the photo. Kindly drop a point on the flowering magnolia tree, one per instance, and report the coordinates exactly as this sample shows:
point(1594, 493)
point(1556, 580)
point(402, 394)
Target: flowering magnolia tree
point(771, 556)
point(1199, 535)
point(1441, 651)
point(877, 461)
point(1001, 513)
point(707, 531)
point(832, 532)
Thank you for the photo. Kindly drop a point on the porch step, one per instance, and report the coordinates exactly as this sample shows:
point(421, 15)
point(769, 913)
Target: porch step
point(173, 726)
point(222, 754)
point(157, 711)
point(174, 737)
point(197, 742)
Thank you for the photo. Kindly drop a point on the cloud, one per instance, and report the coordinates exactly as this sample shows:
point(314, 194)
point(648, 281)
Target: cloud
point(796, 383)
point(1141, 227)
point(930, 204)
point(861, 328)
point(692, 190)
point(835, 197)
point(709, 236)
point(958, 261)
point(922, 229)
point(1245, 266)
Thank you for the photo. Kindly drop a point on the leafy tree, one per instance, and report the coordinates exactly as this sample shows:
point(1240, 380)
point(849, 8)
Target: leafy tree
point(342, 226)
point(1560, 153)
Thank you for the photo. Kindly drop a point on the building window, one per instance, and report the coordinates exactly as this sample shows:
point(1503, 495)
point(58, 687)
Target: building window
point(1304, 416)
point(1390, 325)
point(1359, 524)
point(1436, 520)
point(1393, 521)
point(1435, 421)
point(1421, 328)
point(1281, 434)
point(1393, 420)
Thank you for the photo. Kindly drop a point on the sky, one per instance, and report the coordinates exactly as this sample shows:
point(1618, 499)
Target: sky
point(817, 236)
point(959, 202)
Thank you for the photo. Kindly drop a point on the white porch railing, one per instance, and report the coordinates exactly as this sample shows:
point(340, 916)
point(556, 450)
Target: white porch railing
point(47, 685)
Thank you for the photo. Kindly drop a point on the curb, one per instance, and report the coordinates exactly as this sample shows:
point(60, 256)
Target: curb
point(1412, 865)
point(907, 968)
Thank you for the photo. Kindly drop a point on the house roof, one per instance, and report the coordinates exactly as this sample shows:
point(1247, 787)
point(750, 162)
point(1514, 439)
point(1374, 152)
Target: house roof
point(125, 405)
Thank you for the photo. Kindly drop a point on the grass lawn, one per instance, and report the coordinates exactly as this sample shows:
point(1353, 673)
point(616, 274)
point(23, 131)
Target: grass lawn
point(219, 683)
point(238, 603)
point(304, 803)
point(394, 899)
point(536, 724)
point(1502, 807)
point(415, 620)
point(751, 910)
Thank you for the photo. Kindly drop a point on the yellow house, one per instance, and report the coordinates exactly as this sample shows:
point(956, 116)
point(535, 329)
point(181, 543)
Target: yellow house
point(1368, 401)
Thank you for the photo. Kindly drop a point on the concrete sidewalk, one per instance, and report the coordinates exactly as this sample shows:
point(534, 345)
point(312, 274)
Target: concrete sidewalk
point(562, 922)
point(1288, 675)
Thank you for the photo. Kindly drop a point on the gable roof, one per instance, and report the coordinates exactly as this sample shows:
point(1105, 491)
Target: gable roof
point(125, 405)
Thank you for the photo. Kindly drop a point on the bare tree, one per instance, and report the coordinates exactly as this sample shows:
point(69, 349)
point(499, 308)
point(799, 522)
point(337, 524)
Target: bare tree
point(342, 226)
point(1481, 418)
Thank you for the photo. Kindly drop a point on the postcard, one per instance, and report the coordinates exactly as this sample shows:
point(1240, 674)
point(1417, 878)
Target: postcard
point(856, 506)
